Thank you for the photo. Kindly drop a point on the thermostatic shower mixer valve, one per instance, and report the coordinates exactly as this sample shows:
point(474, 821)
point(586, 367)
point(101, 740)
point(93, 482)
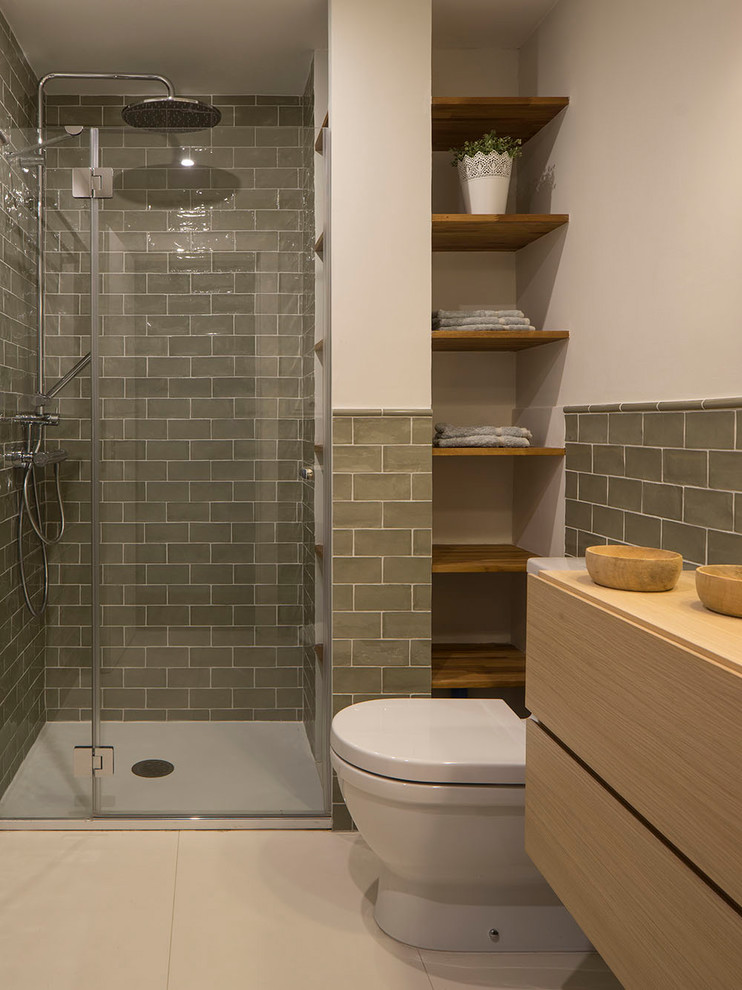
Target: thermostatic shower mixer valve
point(36, 458)
point(32, 455)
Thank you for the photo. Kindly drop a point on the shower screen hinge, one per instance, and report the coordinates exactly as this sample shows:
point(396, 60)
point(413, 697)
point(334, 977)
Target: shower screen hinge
point(92, 183)
point(95, 761)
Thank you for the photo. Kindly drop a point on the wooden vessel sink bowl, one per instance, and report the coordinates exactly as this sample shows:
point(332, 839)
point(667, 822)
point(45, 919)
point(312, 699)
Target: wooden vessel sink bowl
point(634, 568)
point(719, 587)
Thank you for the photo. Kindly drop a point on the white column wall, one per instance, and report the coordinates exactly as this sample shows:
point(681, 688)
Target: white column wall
point(379, 105)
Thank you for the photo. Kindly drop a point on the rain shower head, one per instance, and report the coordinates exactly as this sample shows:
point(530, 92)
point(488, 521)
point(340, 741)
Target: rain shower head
point(172, 113)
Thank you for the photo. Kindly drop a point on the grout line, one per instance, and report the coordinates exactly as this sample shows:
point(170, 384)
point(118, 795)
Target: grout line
point(172, 914)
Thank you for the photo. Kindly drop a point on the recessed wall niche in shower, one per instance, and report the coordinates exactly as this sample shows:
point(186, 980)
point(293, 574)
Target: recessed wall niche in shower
point(206, 415)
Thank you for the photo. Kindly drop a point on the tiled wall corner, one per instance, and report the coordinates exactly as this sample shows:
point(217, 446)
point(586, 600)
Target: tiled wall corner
point(22, 637)
point(381, 566)
point(662, 478)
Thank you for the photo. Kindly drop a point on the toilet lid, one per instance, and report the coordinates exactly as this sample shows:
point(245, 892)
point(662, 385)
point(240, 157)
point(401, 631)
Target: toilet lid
point(433, 740)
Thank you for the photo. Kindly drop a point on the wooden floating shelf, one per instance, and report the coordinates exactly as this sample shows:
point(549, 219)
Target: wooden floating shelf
point(494, 340)
point(319, 449)
point(499, 451)
point(320, 651)
point(319, 347)
point(456, 120)
point(318, 141)
point(479, 558)
point(492, 231)
point(319, 550)
point(319, 244)
point(478, 665)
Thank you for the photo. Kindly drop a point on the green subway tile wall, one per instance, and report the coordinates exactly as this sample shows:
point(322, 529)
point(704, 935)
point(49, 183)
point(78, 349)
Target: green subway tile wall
point(206, 412)
point(382, 525)
point(670, 479)
point(22, 637)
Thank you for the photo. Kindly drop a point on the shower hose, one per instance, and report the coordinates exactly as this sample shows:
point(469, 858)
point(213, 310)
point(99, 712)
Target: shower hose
point(27, 495)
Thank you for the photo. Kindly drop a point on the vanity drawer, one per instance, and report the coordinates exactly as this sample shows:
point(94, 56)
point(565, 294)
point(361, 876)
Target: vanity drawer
point(656, 922)
point(659, 723)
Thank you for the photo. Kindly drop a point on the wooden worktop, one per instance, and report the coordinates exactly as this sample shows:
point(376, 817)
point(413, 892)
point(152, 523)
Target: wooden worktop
point(678, 615)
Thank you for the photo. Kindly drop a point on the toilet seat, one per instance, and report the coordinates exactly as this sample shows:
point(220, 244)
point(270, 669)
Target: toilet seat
point(433, 740)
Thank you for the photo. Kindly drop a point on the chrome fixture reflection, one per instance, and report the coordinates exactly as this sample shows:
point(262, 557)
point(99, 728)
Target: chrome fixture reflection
point(30, 155)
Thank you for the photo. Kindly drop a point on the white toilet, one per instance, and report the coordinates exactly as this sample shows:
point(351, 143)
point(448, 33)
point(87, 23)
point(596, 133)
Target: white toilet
point(436, 788)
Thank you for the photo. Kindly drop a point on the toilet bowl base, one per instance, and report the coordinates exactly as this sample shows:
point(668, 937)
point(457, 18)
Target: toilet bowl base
point(476, 920)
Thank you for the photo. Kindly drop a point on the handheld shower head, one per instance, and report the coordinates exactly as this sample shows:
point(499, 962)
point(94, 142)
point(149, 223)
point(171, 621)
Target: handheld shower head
point(172, 113)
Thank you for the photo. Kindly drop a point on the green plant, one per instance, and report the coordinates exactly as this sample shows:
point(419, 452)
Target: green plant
point(488, 143)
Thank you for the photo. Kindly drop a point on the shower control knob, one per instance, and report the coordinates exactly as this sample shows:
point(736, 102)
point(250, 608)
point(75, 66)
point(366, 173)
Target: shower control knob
point(306, 474)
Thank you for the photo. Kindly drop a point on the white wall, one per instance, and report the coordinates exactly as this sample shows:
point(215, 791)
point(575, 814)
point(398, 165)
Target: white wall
point(646, 160)
point(379, 104)
point(474, 71)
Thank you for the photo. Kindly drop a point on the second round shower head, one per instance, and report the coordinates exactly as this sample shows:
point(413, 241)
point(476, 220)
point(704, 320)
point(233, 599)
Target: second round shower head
point(172, 113)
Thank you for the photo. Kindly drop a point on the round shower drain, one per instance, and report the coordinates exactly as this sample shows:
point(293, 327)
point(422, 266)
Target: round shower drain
point(152, 768)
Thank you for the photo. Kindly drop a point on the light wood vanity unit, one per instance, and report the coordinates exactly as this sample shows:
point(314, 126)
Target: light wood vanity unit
point(634, 776)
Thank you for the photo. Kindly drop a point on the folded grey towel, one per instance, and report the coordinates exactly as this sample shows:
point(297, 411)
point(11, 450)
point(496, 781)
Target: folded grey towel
point(481, 441)
point(486, 327)
point(448, 431)
point(444, 314)
point(475, 321)
point(483, 327)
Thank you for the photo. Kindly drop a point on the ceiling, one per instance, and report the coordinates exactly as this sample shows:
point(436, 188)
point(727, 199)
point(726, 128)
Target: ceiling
point(226, 46)
point(205, 46)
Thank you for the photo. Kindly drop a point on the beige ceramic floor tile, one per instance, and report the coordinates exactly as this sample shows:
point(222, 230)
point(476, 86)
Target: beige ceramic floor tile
point(86, 910)
point(518, 971)
point(282, 910)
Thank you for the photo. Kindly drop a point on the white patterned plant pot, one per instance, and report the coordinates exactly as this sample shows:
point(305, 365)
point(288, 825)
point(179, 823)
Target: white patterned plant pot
point(485, 180)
